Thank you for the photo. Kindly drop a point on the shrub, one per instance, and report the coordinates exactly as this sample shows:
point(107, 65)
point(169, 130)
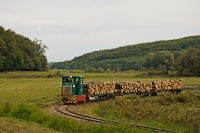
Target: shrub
point(58, 73)
point(49, 76)
point(166, 100)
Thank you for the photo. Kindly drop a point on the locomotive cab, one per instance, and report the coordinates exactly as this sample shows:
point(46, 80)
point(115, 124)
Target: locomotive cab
point(72, 90)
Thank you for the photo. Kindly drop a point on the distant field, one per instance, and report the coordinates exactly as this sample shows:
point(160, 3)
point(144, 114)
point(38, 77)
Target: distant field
point(33, 74)
point(35, 88)
point(25, 74)
point(96, 76)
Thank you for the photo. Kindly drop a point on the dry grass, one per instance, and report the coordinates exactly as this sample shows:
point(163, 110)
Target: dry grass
point(8, 125)
point(31, 113)
point(174, 112)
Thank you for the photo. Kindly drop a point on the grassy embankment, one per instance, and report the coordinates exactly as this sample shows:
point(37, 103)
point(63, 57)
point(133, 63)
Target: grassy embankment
point(31, 113)
point(180, 113)
point(34, 88)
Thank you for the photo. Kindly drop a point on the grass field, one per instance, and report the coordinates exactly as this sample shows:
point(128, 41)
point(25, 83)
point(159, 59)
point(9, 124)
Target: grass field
point(31, 90)
point(41, 89)
point(33, 74)
point(38, 89)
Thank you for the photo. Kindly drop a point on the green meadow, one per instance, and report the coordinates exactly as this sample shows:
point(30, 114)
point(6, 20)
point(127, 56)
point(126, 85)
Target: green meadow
point(30, 93)
point(29, 90)
point(37, 86)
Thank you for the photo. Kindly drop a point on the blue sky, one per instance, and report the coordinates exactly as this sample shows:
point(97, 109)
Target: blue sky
point(70, 28)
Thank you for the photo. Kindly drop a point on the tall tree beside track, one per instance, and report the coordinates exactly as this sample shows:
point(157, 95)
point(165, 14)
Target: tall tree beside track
point(20, 53)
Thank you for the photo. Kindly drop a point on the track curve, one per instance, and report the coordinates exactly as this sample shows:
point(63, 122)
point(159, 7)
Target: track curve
point(100, 120)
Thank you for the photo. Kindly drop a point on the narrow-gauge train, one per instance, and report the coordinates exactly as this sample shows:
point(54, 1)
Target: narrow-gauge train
point(74, 90)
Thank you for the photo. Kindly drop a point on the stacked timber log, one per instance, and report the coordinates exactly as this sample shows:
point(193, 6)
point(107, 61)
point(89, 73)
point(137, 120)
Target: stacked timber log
point(103, 88)
point(99, 88)
point(134, 87)
point(168, 84)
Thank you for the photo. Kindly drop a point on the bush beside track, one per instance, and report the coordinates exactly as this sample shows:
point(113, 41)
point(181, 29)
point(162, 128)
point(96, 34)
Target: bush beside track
point(33, 113)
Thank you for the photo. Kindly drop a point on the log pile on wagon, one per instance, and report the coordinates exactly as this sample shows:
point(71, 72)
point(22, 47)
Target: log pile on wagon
point(104, 88)
point(99, 88)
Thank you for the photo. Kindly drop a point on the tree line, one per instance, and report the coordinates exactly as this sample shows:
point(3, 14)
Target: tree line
point(20, 53)
point(187, 63)
point(165, 56)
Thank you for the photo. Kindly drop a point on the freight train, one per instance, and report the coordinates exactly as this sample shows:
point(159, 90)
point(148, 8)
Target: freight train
point(75, 90)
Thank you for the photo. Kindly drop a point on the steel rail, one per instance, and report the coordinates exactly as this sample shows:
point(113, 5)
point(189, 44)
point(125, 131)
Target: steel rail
point(95, 119)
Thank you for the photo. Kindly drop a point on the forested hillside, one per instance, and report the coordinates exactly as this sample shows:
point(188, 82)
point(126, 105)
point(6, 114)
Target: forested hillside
point(153, 55)
point(20, 53)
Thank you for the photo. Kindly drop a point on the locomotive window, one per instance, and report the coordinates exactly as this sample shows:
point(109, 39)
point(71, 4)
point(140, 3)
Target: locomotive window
point(70, 80)
point(67, 80)
point(74, 80)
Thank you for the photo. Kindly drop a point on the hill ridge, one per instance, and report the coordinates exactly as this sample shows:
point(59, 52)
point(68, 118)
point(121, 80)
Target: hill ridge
point(121, 55)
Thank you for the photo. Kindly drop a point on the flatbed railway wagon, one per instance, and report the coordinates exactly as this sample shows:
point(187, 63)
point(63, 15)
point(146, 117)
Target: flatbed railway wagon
point(74, 89)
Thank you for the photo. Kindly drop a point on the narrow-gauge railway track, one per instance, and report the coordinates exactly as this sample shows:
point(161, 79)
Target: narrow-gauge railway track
point(100, 120)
